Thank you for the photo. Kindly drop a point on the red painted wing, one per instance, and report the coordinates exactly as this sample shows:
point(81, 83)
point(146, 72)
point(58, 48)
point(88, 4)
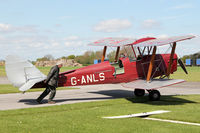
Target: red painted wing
point(148, 41)
point(113, 42)
point(163, 41)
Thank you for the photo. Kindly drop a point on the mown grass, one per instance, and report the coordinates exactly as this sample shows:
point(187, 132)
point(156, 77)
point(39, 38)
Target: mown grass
point(87, 117)
point(2, 71)
point(5, 89)
point(44, 70)
point(192, 76)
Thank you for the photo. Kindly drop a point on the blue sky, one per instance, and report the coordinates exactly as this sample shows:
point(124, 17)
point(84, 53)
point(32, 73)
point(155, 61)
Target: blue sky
point(32, 29)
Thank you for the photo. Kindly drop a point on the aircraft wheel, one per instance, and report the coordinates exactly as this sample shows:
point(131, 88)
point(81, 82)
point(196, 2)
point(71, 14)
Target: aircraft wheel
point(139, 92)
point(154, 95)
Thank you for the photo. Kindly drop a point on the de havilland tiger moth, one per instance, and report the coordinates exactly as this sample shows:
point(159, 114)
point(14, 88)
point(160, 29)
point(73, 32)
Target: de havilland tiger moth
point(140, 68)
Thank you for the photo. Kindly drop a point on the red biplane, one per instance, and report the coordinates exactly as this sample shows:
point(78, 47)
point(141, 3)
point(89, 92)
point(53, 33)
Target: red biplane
point(139, 67)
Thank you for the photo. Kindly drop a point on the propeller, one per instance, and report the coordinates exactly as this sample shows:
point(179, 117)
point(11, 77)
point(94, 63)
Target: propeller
point(180, 62)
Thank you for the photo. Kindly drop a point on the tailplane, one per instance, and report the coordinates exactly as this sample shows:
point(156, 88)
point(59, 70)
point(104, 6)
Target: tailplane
point(22, 73)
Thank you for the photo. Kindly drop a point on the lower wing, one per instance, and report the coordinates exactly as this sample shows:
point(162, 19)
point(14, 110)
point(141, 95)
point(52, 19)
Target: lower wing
point(154, 84)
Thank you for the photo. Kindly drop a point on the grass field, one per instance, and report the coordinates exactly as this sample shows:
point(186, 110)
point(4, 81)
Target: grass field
point(44, 70)
point(2, 71)
point(86, 117)
point(192, 76)
point(4, 89)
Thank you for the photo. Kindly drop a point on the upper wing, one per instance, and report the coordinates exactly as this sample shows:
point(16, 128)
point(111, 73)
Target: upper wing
point(148, 41)
point(162, 41)
point(113, 42)
point(154, 84)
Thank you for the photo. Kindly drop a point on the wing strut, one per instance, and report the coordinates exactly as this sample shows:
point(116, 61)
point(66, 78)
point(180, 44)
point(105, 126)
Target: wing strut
point(149, 50)
point(171, 59)
point(139, 51)
point(117, 54)
point(133, 51)
point(151, 63)
point(104, 54)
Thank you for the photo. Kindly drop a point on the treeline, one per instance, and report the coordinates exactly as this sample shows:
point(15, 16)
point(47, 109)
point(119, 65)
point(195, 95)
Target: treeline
point(85, 59)
point(89, 56)
point(192, 57)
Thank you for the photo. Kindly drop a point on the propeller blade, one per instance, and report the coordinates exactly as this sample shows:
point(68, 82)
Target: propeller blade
point(182, 66)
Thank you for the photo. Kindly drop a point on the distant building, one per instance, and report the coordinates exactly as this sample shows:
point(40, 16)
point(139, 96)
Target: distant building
point(198, 62)
point(188, 62)
point(66, 63)
point(96, 61)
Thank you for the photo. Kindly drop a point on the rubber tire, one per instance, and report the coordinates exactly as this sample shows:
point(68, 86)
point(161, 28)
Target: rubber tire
point(154, 95)
point(139, 92)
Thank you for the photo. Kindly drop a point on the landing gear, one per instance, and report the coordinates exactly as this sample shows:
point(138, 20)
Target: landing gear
point(154, 95)
point(139, 92)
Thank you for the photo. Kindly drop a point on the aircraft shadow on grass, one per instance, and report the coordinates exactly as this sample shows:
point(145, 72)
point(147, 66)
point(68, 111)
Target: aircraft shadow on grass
point(33, 101)
point(112, 94)
point(128, 95)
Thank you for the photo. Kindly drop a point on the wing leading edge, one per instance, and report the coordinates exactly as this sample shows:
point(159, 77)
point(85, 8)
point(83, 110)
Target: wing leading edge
point(148, 41)
point(113, 42)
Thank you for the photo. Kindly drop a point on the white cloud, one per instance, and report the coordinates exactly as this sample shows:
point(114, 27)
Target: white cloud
point(166, 18)
point(5, 27)
point(113, 25)
point(36, 45)
point(73, 43)
point(8, 28)
point(150, 24)
point(55, 44)
point(183, 6)
point(188, 47)
point(162, 36)
point(26, 28)
point(71, 38)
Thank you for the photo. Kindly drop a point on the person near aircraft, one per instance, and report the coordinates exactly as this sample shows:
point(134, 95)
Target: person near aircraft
point(51, 83)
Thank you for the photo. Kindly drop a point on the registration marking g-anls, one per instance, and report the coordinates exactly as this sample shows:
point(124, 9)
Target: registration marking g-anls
point(89, 78)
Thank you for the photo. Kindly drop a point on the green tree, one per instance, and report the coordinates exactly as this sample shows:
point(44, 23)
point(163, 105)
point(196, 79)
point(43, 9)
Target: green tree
point(47, 57)
point(71, 57)
point(63, 57)
point(88, 57)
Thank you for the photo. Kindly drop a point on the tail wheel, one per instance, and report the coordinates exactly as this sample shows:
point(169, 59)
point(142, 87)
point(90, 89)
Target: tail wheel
point(154, 95)
point(139, 92)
